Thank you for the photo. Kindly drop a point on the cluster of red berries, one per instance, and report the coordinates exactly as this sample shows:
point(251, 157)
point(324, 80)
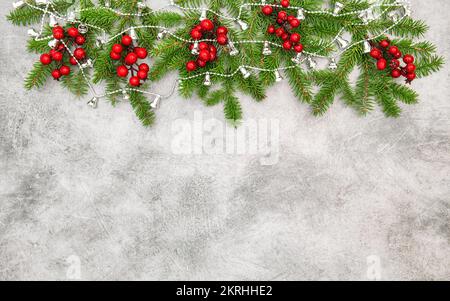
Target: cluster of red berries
point(286, 22)
point(388, 55)
point(129, 55)
point(73, 39)
point(206, 52)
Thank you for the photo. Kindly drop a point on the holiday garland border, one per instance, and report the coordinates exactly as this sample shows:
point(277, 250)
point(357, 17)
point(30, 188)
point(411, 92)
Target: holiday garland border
point(48, 9)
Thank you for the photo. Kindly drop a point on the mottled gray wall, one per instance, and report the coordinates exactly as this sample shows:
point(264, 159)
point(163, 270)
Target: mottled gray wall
point(95, 186)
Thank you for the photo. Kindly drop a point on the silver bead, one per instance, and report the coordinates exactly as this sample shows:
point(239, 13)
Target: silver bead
point(203, 16)
point(233, 49)
point(194, 50)
point(366, 47)
point(333, 65)
point(134, 36)
point(338, 7)
point(301, 14)
point(156, 103)
point(242, 24)
point(207, 81)
point(32, 33)
point(278, 77)
point(53, 43)
point(82, 28)
point(71, 17)
point(266, 50)
point(245, 73)
point(93, 103)
point(311, 62)
point(52, 22)
point(394, 16)
point(125, 94)
point(342, 43)
point(161, 35)
point(18, 4)
point(297, 59)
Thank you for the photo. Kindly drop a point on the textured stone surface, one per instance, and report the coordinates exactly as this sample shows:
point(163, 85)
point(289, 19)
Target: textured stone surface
point(98, 187)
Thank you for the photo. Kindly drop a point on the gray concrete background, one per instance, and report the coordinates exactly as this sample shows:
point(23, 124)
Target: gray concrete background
point(97, 186)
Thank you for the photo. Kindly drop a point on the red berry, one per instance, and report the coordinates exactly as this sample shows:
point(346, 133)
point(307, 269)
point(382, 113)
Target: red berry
point(408, 59)
point(127, 40)
point(295, 23)
point(73, 61)
point(191, 66)
point(411, 76)
point(280, 21)
point(398, 55)
point(290, 18)
point(298, 48)
point(204, 55)
point(285, 37)
point(80, 40)
point(222, 39)
point(295, 38)
point(58, 32)
point(58, 28)
point(393, 50)
point(73, 32)
point(144, 67)
point(61, 47)
point(395, 63)
point(135, 81)
point(115, 56)
point(198, 27)
point(141, 52)
point(222, 30)
point(279, 32)
point(131, 58)
point(376, 53)
point(65, 70)
point(203, 46)
point(79, 53)
point(207, 25)
point(196, 34)
point(285, 3)
point(56, 74)
point(381, 64)
point(271, 29)
point(46, 59)
point(267, 10)
point(58, 35)
point(57, 56)
point(212, 56)
point(213, 49)
point(384, 43)
point(142, 74)
point(396, 73)
point(122, 71)
point(117, 48)
point(410, 68)
point(282, 15)
point(201, 63)
point(287, 45)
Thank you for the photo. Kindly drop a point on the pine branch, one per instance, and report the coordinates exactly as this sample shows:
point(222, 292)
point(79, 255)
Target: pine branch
point(404, 94)
point(37, 76)
point(142, 108)
point(76, 83)
point(24, 16)
point(427, 66)
point(232, 108)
